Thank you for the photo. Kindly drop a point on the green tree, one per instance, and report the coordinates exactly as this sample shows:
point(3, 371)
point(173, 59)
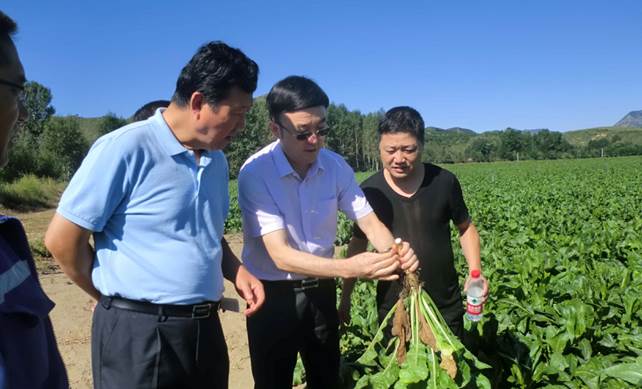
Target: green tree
point(598, 143)
point(23, 157)
point(550, 144)
point(109, 123)
point(26, 140)
point(345, 134)
point(513, 143)
point(370, 141)
point(38, 105)
point(255, 135)
point(482, 149)
point(62, 148)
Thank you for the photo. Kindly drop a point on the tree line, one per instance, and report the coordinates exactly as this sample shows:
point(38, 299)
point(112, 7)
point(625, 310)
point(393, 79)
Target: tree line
point(50, 146)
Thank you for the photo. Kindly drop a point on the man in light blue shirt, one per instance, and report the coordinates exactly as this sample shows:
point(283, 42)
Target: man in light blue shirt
point(154, 194)
point(290, 193)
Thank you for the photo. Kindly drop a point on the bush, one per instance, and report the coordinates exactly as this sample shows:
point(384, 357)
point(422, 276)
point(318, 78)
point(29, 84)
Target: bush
point(62, 148)
point(30, 192)
point(23, 159)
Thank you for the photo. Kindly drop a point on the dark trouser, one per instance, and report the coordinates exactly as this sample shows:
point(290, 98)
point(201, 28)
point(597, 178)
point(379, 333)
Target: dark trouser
point(295, 320)
point(142, 350)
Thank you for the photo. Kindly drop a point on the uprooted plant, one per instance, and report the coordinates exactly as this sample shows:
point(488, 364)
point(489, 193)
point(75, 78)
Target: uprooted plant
point(422, 352)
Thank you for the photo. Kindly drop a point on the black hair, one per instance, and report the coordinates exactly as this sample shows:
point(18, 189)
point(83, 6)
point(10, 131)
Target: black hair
point(213, 71)
point(295, 93)
point(403, 119)
point(149, 109)
point(7, 28)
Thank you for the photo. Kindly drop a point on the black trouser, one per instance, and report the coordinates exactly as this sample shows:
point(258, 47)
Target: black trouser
point(143, 350)
point(295, 320)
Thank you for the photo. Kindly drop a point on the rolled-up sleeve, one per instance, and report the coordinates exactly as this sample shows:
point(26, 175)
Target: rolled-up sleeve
point(260, 213)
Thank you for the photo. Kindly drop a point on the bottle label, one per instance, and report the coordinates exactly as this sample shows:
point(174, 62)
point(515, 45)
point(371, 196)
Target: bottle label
point(474, 309)
point(474, 306)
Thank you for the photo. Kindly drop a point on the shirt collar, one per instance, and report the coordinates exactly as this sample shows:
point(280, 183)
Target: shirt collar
point(165, 135)
point(284, 167)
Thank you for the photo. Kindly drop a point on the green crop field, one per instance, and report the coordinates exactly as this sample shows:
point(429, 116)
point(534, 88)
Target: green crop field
point(562, 249)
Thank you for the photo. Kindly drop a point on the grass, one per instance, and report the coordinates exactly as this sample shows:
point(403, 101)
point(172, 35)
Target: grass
point(35, 224)
point(31, 200)
point(30, 193)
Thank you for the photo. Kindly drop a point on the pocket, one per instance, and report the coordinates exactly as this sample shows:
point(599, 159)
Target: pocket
point(105, 330)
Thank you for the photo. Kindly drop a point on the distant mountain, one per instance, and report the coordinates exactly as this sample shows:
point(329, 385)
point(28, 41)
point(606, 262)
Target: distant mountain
point(451, 130)
point(613, 134)
point(462, 130)
point(632, 120)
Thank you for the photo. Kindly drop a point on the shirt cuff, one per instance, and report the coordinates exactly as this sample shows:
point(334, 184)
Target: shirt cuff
point(93, 227)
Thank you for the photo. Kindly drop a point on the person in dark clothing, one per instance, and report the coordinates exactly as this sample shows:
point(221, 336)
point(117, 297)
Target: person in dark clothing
point(29, 356)
point(148, 110)
point(417, 201)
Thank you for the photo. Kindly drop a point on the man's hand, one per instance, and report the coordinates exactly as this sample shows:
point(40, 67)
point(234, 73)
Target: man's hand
point(485, 287)
point(375, 266)
point(408, 259)
point(251, 289)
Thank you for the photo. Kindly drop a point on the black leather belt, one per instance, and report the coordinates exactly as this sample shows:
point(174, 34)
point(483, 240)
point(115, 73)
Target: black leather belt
point(194, 311)
point(307, 283)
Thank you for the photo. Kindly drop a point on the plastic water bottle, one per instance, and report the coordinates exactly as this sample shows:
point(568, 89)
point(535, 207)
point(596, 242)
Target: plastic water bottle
point(475, 297)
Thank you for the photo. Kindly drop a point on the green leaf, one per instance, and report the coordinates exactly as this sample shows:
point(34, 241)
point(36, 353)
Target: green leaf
point(585, 348)
point(482, 382)
point(629, 372)
point(363, 382)
point(415, 367)
point(386, 378)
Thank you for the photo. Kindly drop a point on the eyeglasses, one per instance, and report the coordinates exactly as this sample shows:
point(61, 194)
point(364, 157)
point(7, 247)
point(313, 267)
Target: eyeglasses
point(20, 88)
point(305, 135)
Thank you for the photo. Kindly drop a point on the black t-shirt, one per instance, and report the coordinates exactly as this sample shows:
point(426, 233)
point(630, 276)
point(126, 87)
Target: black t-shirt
point(423, 220)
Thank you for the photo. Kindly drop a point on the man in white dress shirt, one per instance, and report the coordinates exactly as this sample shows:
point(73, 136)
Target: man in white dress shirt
point(290, 193)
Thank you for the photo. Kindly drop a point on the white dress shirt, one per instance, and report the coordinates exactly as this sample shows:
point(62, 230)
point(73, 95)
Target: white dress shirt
point(272, 196)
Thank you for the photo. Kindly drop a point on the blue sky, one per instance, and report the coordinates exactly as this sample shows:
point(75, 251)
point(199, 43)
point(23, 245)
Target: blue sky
point(483, 65)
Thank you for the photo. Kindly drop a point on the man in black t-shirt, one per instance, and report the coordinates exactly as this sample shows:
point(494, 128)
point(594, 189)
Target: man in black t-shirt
point(417, 201)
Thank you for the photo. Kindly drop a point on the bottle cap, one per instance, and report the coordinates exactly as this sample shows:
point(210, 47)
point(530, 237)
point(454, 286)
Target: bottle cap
point(475, 273)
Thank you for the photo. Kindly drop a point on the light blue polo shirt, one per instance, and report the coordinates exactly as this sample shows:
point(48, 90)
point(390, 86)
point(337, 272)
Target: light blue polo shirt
point(157, 216)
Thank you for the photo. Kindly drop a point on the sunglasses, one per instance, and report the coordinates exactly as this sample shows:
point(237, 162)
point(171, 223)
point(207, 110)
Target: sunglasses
point(305, 135)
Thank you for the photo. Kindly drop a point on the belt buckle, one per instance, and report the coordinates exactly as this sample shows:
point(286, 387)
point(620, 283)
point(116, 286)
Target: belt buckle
point(309, 283)
point(201, 311)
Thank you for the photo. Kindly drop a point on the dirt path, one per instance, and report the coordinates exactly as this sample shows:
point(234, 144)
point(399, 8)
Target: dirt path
point(72, 322)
